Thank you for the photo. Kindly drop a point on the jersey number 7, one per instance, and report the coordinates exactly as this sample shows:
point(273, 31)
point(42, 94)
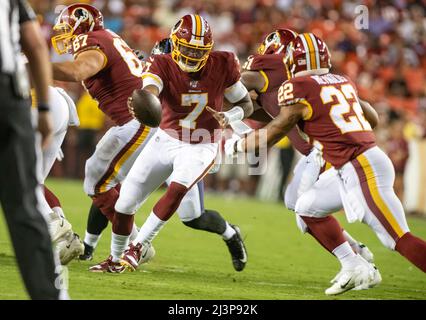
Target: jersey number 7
point(188, 99)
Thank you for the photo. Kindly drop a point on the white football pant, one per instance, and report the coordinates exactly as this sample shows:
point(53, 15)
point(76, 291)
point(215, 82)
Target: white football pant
point(166, 158)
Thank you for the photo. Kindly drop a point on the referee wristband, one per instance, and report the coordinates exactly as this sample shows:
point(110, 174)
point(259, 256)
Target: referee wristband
point(43, 107)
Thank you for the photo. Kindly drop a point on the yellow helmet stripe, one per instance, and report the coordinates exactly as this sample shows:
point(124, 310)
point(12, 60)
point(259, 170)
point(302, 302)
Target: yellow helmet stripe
point(307, 55)
point(311, 50)
point(317, 57)
point(198, 27)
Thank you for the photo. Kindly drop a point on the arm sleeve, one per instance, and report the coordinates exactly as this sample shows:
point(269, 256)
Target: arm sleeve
point(26, 13)
point(152, 74)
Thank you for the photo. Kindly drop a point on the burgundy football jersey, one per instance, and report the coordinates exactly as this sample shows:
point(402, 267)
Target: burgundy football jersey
point(184, 96)
point(273, 69)
point(120, 76)
point(336, 122)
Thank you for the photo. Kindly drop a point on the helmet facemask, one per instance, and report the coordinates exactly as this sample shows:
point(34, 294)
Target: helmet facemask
point(62, 40)
point(190, 57)
point(288, 60)
point(272, 42)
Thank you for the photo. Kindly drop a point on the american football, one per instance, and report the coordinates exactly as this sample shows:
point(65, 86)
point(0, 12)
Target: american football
point(213, 150)
point(146, 107)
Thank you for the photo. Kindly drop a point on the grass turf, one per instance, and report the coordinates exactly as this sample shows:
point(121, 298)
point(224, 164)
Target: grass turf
point(191, 264)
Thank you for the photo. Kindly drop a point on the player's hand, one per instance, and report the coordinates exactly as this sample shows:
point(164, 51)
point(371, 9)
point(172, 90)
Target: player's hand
point(130, 107)
point(230, 146)
point(219, 116)
point(45, 127)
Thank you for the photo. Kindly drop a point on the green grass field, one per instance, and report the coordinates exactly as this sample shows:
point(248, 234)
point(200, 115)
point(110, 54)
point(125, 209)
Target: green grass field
point(190, 264)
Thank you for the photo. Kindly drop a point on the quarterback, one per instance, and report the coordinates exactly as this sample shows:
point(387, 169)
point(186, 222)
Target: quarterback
point(184, 149)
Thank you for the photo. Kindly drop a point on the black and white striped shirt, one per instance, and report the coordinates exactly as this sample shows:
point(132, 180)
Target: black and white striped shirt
point(12, 14)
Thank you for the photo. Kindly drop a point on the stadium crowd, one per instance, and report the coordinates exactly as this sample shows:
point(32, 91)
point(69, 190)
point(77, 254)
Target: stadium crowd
point(386, 59)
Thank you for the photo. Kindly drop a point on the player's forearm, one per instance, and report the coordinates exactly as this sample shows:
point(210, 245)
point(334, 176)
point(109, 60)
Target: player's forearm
point(67, 71)
point(247, 105)
point(36, 51)
point(275, 131)
point(370, 114)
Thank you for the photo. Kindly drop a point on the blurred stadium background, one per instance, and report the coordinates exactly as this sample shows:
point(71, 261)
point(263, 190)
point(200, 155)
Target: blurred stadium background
point(387, 61)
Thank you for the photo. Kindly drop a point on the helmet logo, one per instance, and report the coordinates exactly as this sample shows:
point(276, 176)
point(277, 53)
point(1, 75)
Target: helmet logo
point(80, 14)
point(177, 26)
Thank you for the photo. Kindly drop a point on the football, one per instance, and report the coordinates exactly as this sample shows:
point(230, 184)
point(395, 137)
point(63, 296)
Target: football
point(146, 108)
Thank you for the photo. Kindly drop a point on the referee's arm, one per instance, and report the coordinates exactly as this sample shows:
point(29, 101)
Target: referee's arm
point(35, 49)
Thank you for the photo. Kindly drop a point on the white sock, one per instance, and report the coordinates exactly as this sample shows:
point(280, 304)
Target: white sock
point(92, 239)
point(352, 242)
point(135, 232)
point(59, 212)
point(119, 243)
point(229, 232)
point(150, 229)
point(346, 255)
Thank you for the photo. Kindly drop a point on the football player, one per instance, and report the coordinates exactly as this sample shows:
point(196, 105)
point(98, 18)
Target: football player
point(191, 210)
point(110, 71)
point(327, 108)
point(64, 114)
point(264, 73)
point(185, 146)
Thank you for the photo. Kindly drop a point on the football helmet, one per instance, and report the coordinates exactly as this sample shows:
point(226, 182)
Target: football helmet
point(192, 42)
point(75, 19)
point(163, 46)
point(307, 52)
point(276, 41)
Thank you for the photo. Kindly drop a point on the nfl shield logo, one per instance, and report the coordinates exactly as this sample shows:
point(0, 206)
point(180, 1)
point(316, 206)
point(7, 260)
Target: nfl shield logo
point(193, 84)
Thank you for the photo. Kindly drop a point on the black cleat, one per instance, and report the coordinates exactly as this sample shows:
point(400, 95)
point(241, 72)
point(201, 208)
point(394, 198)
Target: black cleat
point(237, 249)
point(88, 253)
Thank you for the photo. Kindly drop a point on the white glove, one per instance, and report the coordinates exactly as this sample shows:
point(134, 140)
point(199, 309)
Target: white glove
point(230, 146)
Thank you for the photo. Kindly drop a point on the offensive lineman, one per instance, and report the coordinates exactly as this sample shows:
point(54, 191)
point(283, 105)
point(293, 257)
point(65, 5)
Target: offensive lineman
point(326, 107)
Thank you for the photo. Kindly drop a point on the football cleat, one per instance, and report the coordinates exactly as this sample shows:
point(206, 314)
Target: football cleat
point(70, 247)
point(360, 277)
point(137, 254)
point(108, 266)
point(237, 249)
point(365, 252)
point(58, 228)
point(88, 252)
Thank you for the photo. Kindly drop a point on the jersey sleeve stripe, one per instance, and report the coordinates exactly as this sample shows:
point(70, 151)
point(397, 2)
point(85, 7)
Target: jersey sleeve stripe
point(152, 79)
point(265, 87)
point(310, 111)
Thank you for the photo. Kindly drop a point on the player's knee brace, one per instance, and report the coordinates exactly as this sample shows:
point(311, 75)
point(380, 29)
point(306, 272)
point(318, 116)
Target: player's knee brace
point(209, 220)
